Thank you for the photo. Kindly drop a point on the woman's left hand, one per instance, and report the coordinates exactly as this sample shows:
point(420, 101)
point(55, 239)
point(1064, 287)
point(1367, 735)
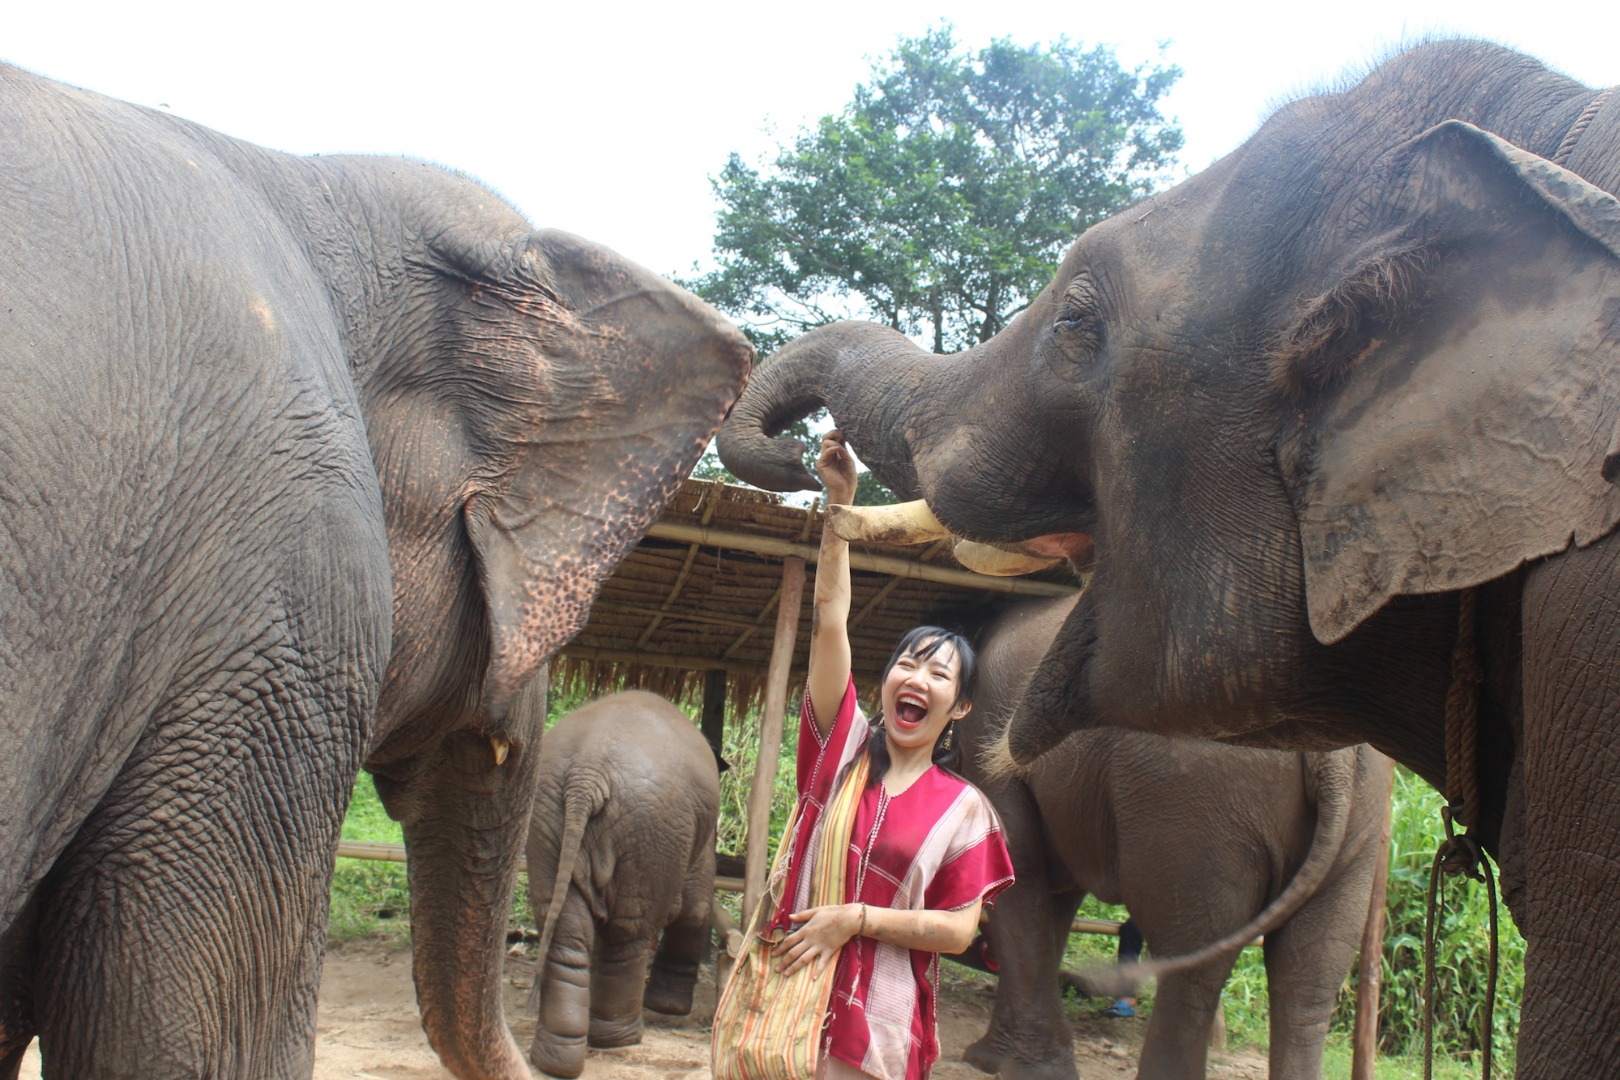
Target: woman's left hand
point(824, 931)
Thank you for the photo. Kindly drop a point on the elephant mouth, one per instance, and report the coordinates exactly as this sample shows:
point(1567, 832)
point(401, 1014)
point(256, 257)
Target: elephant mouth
point(1026, 556)
point(915, 523)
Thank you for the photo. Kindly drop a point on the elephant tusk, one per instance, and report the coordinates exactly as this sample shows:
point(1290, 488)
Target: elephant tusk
point(997, 562)
point(904, 523)
point(501, 748)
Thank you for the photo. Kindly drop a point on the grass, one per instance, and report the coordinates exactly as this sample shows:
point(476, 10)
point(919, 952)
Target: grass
point(369, 899)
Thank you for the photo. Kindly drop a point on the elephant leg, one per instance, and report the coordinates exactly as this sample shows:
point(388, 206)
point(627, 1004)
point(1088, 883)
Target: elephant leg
point(17, 972)
point(1307, 959)
point(680, 953)
point(558, 1048)
point(1176, 1044)
point(1570, 1027)
point(618, 980)
point(184, 928)
point(1029, 1035)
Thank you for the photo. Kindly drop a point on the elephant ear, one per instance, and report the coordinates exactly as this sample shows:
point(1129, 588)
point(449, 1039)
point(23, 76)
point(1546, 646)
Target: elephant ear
point(601, 424)
point(1455, 399)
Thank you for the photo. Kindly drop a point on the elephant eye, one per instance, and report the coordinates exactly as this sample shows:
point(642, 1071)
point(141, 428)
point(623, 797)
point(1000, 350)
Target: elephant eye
point(1077, 317)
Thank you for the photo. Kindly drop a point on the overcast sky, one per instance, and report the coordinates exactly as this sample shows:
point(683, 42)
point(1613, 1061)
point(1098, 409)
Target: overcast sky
point(608, 119)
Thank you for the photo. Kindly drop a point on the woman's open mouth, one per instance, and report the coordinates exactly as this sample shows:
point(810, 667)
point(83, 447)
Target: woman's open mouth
point(910, 711)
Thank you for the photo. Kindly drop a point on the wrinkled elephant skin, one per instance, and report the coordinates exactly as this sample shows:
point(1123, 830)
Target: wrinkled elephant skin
point(306, 464)
point(1196, 840)
point(1302, 403)
point(623, 832)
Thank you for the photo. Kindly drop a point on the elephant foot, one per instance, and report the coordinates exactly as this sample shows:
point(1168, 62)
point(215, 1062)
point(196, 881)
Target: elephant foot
point(669, 994)
point(557, 1055)
point(607, 1034)
point(984, 1056)
point(993, 1054)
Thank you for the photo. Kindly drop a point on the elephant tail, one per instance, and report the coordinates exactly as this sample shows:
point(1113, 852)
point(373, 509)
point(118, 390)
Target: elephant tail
point(583, 799)
point(1333, 774)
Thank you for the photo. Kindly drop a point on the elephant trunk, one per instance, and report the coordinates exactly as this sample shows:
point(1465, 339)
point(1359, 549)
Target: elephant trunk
point(465, 817)
point(961, 431)
point(851, 368)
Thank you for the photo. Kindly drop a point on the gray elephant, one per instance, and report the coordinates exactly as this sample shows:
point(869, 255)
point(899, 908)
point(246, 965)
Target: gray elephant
point(1334, 423)
point(1201, 843)
point(306, 464)
point(623, 832)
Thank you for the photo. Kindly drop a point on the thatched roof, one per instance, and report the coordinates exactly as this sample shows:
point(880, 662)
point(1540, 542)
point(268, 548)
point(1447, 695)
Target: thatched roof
point(700, 594)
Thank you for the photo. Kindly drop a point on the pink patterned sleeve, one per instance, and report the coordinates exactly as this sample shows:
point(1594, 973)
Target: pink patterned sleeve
point(818, 760)
point(977, 865)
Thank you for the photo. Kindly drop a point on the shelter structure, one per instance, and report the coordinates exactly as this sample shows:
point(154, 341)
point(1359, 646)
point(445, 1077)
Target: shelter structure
point(713, 606)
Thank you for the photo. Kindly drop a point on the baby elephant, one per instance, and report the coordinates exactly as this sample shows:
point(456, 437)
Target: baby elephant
point(623, 828)
point(1201, 842)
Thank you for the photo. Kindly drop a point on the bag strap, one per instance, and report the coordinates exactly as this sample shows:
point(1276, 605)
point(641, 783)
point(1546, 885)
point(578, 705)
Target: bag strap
point(832, 858)
point(827, 882)
point(765, 910)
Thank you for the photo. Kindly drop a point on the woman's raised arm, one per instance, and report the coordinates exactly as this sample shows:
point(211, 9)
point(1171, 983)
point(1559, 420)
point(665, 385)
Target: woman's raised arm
point(828, 676)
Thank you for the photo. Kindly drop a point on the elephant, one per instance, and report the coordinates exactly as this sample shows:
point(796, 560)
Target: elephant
point(1332, 426)
point(623, 829)
point(307, 465)
point(1200, 842)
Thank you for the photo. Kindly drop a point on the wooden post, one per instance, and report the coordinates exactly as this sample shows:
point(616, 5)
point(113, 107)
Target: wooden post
point(731, 945)
point(1370, 972)
point(770, 735)
point(714, 711)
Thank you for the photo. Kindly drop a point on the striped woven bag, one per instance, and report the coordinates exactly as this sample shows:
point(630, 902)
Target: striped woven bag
point(768, 1025)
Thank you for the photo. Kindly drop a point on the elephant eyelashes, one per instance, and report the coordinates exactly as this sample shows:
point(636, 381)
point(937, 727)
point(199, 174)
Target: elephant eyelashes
point(1077, 319)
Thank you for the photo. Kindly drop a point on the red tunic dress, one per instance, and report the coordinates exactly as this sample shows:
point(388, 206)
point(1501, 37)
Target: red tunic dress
point(935, 846)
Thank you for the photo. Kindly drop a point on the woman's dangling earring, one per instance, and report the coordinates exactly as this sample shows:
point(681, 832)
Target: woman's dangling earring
point(949, 741)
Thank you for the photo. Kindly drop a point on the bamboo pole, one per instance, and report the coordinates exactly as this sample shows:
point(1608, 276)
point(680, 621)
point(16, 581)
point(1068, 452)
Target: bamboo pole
point(858, 560)
point(1370, 972)
point(770, 734)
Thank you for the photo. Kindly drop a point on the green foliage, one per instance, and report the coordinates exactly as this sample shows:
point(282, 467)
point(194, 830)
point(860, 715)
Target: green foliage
point(1463, 953)
point(369, 899)
point(940, 198)
point(740, 749)
point(372, 899)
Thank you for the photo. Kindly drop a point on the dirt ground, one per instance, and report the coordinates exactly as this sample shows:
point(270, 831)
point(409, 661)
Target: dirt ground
point(368, 1029)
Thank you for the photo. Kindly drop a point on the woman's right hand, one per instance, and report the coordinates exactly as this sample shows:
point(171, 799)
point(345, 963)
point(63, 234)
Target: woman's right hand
point(819, 933)
point(836, 468)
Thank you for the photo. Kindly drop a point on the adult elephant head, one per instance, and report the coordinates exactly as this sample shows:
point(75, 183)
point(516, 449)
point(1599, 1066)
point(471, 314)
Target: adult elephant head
point(306, 465)
point(1314, 408)
point(525, 444)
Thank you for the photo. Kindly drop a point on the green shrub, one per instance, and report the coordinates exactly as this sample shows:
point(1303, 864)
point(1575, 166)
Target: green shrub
point(1462, 957)
point(369, 899)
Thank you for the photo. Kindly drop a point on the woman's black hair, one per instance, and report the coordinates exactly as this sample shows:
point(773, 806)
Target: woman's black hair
point(923, 642)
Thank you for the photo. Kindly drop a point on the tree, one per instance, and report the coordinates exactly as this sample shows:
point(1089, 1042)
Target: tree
point(940, 199)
